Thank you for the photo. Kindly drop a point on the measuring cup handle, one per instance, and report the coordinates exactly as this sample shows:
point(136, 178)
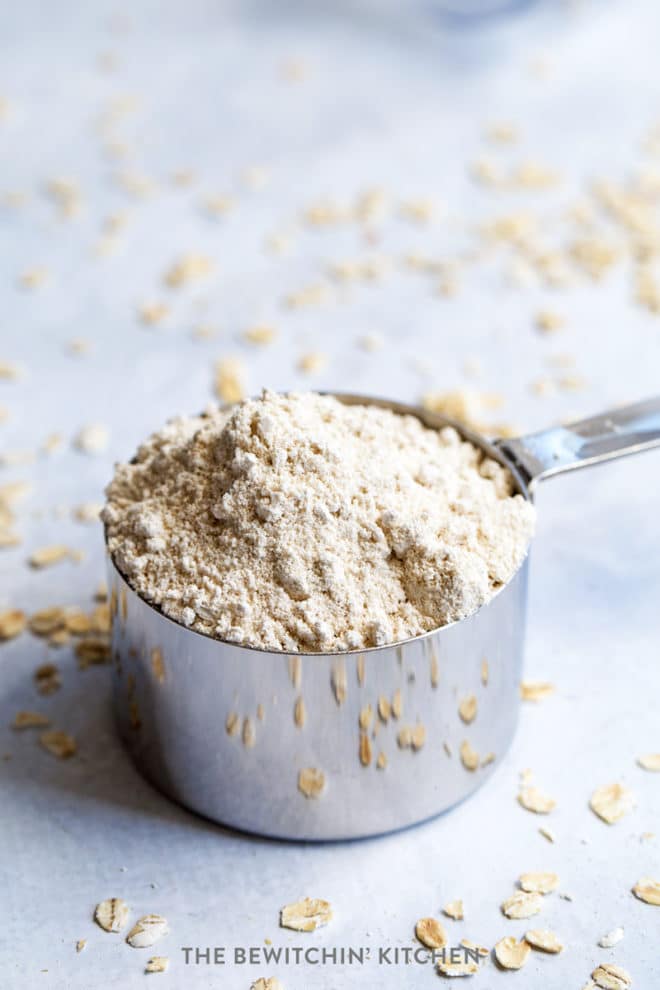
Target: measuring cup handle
point(627, 430)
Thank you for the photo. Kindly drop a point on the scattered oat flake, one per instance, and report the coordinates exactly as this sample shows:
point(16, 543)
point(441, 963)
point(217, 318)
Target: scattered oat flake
point(404, 737)
point(468, 709)
point(52, 443)
point(158, 664)
point(299, 712)
point(152, 313)
point(539, 883)
point(418, 210)
point(536, 690)
point(30, 720)
point(157, 964)
point(91, 651)
point(46, 556)
point(112, 914)
point(9, 371)
point(548, 834)
point(431, 933)
point(454, 910)
point(228, 381)
point(87, 512)
point(522, 905)
point(543, 939)
point(260, 334)
point(651, 761)
point(33, 278)
point(532, 799)
point(47, 678)
point(547, 321)
point(456, 969)
point(648, 890)
point(218, 205)
point(365, 717)
point(612, 802)
point(92, 439)
point(187, 269)
point(607, 976)
point(47, 620)
point(248, 734)
point(339, 682)
point(468, 407)
point(267, 983)
point(365, 749)
point(147, 930)
point(469, 756)
point(80, 944)
point(609, 940)
point(306, 915)
point(59, 743)
point(12, 623)
point(311, 782)
point(312, 363)
point(510, 953)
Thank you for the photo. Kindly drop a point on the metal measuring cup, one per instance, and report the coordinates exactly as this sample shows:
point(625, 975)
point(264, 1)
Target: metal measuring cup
point(337, 746)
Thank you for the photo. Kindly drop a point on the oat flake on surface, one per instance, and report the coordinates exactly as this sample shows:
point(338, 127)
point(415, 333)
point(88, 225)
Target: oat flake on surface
point(612, 802)
point(545, 940)
point(536, 690)
point(157, 964)
point(457, 969)
point(532, 799)
point(30, 720)
point(651, 761)
point(47, 556)
point(267, 983)
point(112, 914)
point(647, 890)
point(431, 933)
point(12, 623)
point(522, 905)
point(510, 953)
point(539, 883)
point(147, 930)
point(92, 439)
point(469, 756)
point(467, 709)
point(454, 910)
point(59, 743)
point(298, 523)
point(608, 976)
point(311, 782)
point(306, 915)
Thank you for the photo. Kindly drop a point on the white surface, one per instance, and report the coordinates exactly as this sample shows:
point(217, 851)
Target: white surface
point(388, 104)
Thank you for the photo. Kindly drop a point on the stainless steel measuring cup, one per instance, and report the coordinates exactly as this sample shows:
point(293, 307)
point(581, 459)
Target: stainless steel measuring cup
point(336, 746)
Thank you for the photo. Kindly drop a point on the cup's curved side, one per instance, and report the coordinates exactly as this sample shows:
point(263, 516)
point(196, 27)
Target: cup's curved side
point(317, 747)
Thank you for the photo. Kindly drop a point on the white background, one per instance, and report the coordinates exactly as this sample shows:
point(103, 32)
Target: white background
point(395, 102)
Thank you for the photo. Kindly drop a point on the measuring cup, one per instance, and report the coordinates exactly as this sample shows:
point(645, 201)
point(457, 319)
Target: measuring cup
point(336, 746)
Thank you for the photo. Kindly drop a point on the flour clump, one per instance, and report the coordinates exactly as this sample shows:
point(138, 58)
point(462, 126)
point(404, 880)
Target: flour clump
point(297, 523)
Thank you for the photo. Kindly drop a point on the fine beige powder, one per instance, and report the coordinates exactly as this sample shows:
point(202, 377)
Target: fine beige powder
point(297, 523)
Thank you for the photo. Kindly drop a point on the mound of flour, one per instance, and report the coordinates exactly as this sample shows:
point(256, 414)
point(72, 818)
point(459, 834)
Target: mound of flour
point(297, 523)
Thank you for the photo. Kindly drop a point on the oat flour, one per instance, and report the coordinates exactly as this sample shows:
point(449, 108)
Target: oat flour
point(297, 523)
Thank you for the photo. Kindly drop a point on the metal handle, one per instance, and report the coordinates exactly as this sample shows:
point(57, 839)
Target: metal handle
point(627, 430)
